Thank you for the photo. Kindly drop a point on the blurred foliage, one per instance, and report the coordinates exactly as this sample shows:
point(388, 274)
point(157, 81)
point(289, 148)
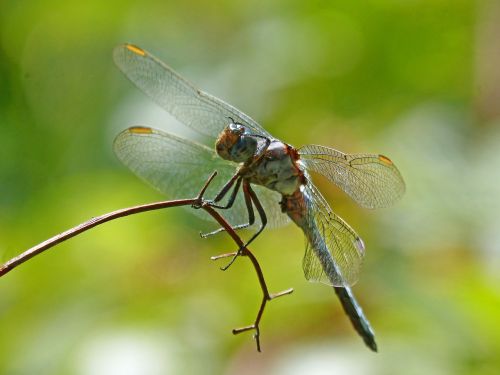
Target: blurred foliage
point(416, 80)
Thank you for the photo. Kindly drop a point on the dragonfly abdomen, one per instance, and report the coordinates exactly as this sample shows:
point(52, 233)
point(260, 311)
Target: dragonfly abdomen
point(294, 205)
point(297, 208)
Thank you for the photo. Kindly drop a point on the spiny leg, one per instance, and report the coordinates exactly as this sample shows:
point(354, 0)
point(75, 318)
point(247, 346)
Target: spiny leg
point(222, 193)
point(221, 229)
point(260, 210)
point(250, 195)
point(251, 216)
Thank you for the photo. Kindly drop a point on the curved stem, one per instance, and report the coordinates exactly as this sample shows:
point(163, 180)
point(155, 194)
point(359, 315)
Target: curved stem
point(196, 203)
point(83, 227)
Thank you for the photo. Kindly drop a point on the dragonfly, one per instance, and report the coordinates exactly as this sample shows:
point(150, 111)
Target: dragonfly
point(257, 172)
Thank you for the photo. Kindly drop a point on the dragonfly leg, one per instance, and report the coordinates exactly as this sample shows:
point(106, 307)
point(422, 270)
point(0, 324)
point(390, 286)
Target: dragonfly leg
point(250, 197)
point(222, 193)
point(225, 190)
point(251, 219)
point(221, 229)
point(262, 214)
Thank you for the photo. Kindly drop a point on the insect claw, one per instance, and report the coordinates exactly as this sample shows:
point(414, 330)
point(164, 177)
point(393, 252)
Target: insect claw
point(197, 204)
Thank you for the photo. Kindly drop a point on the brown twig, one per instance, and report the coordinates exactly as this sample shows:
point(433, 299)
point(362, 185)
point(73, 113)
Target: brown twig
point(197, 203)
point(266, 297)
point(61, 237)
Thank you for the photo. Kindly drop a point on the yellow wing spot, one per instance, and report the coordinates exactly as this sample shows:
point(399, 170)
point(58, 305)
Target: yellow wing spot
point(385, 159)
point(135, 49)
point(140, 130)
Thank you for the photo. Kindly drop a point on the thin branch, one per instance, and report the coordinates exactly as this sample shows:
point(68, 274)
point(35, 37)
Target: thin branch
point(196, 203)
point(61, 237)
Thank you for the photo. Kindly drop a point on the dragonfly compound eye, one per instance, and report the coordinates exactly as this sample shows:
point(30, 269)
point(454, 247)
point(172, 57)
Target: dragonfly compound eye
point(233, 144)
point(243, 149)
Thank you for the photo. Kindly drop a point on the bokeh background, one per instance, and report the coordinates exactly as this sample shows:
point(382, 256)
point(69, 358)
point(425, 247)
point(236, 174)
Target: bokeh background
point(416, 80)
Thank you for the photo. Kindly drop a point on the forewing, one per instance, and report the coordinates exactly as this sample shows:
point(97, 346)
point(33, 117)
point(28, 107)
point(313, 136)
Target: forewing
point(202, 112)
point(371, 180)
point(334, 252)
point(179, 168)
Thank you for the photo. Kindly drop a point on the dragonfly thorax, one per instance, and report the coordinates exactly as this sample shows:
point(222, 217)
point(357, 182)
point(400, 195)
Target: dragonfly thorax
point(236, 144)
point(277, 169)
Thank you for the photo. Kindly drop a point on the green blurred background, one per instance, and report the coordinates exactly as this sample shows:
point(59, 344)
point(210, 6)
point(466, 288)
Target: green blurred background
point(416, 80)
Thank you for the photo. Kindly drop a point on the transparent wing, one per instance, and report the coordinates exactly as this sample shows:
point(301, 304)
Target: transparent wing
point(202, 112)
point(371, 180)
point(334, 252)
point(179, 168)
point(270, 201)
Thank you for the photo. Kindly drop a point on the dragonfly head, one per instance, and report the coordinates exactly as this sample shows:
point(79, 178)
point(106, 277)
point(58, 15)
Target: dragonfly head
point(235, 143)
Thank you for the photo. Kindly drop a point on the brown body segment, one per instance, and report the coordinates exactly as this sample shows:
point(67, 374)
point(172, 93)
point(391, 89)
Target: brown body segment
point(294, 205)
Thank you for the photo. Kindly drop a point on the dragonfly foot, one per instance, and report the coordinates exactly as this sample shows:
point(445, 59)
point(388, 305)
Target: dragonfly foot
point(222, 229)
point(227, 255)
point(205, 235)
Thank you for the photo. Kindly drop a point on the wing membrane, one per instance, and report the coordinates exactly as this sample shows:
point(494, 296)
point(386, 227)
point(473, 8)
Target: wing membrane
point(202, 112)
point(179, 168)
point(371, 180)
point(334, 252)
